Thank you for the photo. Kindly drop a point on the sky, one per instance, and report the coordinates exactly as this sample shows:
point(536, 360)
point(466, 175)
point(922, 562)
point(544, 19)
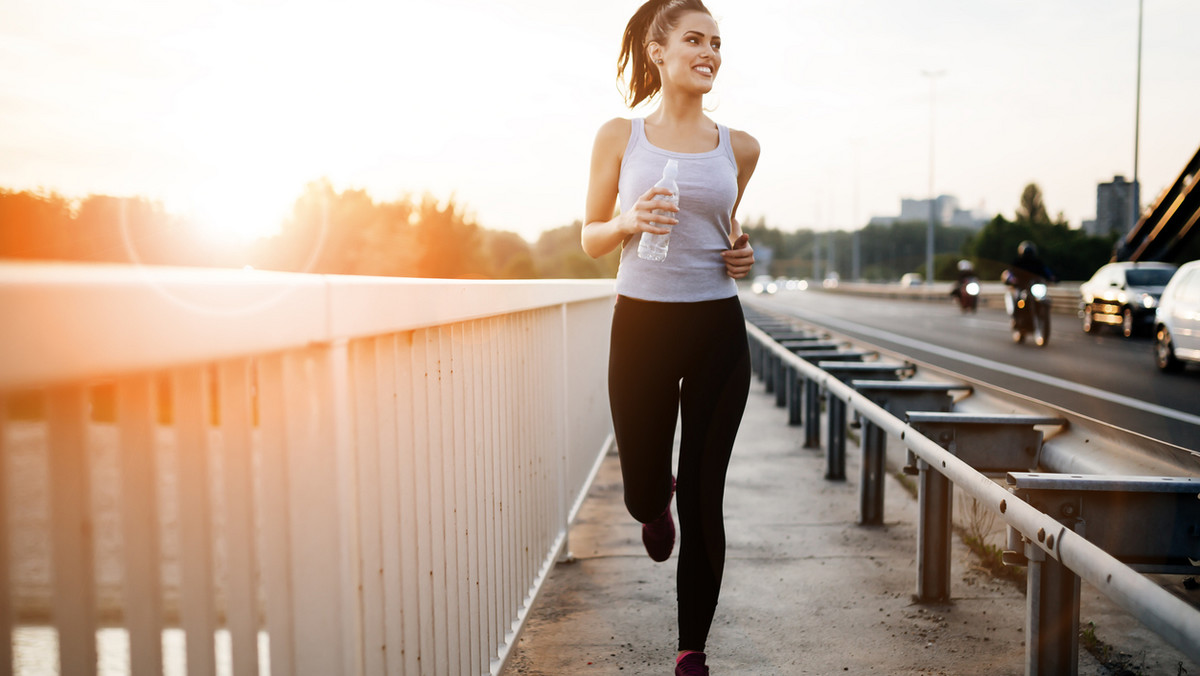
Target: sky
point(225, 110)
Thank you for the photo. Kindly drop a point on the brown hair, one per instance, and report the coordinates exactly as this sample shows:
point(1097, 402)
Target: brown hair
point(651, 23)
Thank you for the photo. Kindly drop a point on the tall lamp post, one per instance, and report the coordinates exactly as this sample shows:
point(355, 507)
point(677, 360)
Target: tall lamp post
point(1136, 188)
point(932, 75)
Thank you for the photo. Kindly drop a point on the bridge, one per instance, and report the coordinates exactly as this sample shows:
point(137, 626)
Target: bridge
point(253, 472)
point(1168, 226)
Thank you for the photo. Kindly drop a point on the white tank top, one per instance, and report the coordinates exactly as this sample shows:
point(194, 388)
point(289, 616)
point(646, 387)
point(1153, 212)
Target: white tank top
point(694, 269)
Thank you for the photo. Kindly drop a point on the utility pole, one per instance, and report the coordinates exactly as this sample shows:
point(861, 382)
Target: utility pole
point(817, 277)
point(1136, 189)
point(855, 254)
point(932, 75)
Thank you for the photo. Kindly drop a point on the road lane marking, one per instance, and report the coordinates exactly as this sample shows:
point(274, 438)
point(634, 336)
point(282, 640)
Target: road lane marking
point(999, 367)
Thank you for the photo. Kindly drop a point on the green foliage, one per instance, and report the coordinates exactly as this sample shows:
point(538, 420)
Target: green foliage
point(327, 231)
point(559, 255)
point(1032, 208)
point(348, 232)
point(1113, 661)
point(98, 228)
point(1072, 254)
point(887, 251)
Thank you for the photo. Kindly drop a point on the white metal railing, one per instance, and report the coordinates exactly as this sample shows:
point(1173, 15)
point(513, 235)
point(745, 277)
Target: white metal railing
point(330, 475)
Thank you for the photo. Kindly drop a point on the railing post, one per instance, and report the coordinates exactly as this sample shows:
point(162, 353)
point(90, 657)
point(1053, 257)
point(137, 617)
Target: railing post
point(563, 460)
point(143, 596)
point(794, 387)
point(756, 353)
point(812, 413)
point(241, 603)
point(782, 382)
point(6, 608)
point(835, 447)
point(74, 592)
point(1051, 617)
point(935, 502)
point(874, 468)
point(320, 466)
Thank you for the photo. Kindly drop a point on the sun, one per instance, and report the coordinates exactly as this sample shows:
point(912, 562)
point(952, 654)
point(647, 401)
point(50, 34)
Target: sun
point(231, 211)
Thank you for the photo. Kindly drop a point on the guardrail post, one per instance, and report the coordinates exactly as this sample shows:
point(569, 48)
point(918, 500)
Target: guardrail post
point(812, 413)
point(935, 500)
point(990, 444)
point(835, 449)
point(755, 354)
point(768, 375)
point(898, 398)
point(782, 383)
point(795, 385)
point(845, 371)
point(1112, 512)
point(874, 466)
point(1051, 617)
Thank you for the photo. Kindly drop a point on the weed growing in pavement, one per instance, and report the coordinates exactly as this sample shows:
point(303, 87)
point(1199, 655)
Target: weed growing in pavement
point(1117, 663)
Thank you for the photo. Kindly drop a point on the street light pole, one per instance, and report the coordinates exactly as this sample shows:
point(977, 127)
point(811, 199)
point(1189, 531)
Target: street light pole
point(932, 75)
point(1136, 188)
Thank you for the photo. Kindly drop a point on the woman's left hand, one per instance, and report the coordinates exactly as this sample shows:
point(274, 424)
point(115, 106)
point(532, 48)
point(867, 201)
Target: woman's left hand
point(740, 258)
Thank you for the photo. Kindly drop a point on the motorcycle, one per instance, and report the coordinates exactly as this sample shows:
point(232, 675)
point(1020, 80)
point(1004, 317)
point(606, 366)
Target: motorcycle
point(1029, 307)
point(966, 294)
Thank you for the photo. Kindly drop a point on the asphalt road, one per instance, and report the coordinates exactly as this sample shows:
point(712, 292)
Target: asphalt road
point(1102, 376)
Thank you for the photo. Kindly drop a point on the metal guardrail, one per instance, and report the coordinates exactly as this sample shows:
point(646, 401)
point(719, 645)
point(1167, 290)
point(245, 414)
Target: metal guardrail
point(1058, 556)
point(1064, 296)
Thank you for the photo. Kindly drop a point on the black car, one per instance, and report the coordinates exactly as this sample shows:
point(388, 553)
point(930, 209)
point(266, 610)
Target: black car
point(1124, 294)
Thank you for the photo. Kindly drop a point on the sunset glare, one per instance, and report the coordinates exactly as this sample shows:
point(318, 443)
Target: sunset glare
point(225, 111)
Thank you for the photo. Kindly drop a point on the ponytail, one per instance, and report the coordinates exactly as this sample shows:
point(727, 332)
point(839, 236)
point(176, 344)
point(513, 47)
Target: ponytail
point(653, 21)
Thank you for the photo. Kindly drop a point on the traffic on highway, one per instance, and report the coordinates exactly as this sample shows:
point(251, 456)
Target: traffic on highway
point(1098, 373)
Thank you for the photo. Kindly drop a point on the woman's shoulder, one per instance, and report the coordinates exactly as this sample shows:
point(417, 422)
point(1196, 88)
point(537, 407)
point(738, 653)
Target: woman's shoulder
point(615, 131)
point(745, 146)
point(612, 138)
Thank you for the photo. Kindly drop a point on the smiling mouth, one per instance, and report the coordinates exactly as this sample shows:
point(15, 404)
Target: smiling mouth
point(704, 70)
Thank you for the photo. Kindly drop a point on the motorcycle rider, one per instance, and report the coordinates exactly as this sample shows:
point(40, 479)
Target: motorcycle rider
point(1027, 268)
point(965, 271)
point(961, 293)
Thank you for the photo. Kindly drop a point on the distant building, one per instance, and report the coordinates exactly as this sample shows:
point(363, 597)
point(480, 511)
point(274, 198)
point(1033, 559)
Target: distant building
point(946, 211)
point(1114, 207)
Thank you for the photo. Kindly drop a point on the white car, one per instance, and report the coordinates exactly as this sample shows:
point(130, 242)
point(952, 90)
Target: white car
point(1123, 294)
point(1177, 320)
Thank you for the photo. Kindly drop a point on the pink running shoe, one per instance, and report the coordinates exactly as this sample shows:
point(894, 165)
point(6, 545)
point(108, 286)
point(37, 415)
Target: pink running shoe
point(659, 534)
point(691, 664)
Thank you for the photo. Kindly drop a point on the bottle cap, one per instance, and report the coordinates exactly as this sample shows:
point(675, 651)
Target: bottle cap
point(672, 169)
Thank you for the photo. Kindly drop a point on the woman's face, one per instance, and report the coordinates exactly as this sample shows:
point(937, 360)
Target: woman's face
point(692, 55)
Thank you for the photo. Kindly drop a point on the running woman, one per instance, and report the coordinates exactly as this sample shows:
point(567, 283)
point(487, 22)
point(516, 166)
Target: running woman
point(678, 349)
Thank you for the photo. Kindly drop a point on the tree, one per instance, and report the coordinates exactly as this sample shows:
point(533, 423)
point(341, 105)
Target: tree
point(508, 255)
point(1071, 253)
point(558, 254)
point(1032, 209)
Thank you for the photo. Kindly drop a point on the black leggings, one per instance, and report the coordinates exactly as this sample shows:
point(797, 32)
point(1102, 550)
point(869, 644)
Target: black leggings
point(690, 360)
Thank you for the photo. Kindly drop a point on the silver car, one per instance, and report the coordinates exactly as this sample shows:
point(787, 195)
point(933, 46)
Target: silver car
point(1177, 320)
point(1124, 295)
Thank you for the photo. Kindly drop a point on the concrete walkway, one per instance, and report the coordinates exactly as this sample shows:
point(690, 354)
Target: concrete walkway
point(806, 589)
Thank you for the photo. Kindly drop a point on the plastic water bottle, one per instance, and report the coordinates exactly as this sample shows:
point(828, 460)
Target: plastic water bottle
point(654, 247)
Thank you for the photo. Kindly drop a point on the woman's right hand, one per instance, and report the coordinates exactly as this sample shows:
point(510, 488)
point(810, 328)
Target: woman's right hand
point(641, 218)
